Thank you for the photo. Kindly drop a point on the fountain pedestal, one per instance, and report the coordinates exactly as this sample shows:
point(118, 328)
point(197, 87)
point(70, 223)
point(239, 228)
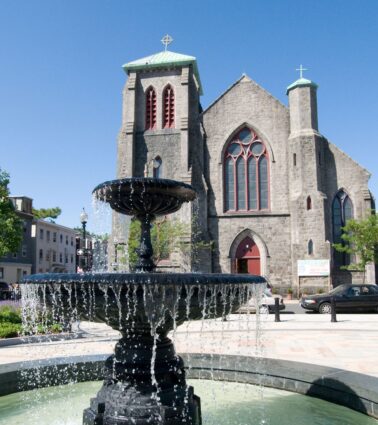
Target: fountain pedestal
point(144, 385)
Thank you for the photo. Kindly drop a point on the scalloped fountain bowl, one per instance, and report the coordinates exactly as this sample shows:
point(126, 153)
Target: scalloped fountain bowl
point(145, 379)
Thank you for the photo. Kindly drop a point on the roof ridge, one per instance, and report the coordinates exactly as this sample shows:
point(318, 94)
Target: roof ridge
point(247, 79)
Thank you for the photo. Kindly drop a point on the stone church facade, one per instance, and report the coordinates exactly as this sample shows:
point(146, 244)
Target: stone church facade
point(272, 189)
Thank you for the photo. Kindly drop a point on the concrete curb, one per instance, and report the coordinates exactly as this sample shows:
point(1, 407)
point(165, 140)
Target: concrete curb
point(354, 390)
point(37, 339)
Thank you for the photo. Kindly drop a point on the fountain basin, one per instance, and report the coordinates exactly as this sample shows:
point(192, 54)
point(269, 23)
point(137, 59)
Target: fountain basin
point(141, 196)
point(353, 390)
point(126, 300)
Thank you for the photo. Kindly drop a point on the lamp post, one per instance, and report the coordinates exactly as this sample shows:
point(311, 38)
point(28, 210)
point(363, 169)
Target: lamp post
point(83, 251)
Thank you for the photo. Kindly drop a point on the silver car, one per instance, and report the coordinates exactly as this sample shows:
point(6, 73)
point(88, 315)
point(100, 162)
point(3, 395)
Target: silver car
point(266, 304)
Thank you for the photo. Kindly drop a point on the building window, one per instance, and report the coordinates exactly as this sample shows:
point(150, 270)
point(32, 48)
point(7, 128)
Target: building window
point(15, 255)
point(169, 107)
point(66, 239)
point(54, 256)
point(1, 272)
point(24, 250)
point(294, 159)
point(72, 241)
point(246, 173)
point(310, 247)
point(150, 109)
point(48, 235)
point(342, 211)
point(47, 256)
point(72, 258)
point(54, 237)
point(61, 238)
point(157, 168)
point(40, 233)
point(308, 203)
point(40, 255)
point(60, 257)
point(66, 258)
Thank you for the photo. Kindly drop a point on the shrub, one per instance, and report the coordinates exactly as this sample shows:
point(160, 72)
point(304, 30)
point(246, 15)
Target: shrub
point(56, 328)
point(9, 314)
point(9, 330)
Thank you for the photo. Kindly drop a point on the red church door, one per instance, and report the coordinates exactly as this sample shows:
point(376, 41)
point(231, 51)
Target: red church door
point(248, 257)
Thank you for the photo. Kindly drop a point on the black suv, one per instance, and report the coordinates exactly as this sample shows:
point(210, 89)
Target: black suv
point(348, 298)
point(5, 291)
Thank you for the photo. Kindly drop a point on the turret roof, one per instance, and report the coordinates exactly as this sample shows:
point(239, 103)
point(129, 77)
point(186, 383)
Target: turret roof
point(164, 59)
point(301, 82)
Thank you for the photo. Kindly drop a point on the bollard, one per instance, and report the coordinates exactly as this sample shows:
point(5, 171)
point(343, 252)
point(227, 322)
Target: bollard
point(277, 310)
point(333, 310)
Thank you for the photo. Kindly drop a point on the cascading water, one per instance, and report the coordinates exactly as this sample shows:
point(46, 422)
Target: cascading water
point(145, 378)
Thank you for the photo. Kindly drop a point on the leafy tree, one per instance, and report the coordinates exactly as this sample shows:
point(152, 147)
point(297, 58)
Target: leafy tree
point(10, 223)
point(167, 236)
point(51, 213)
point(361, 241)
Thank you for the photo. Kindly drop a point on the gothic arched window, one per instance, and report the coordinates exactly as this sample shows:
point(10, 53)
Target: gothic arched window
point(150, 108)
point(342, 211)
point(308, 203)
point(168, 107)
point(157, 167)
point(246, 173)
point(310, 247)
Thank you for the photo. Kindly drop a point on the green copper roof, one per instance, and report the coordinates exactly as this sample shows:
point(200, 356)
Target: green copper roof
point(162, 60)
point(302, 82)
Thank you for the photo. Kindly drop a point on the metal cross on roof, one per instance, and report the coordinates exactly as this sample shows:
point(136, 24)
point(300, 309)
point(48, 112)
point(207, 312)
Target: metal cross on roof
point(301, 69)
point(166, 40)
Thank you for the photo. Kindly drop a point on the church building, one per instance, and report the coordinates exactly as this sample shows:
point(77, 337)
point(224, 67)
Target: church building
point(273, 192)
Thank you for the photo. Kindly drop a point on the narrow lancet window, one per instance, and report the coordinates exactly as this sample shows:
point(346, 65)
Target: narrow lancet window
point(150, 109)
point(310, 247)
point(169, 107)
point(309, 203)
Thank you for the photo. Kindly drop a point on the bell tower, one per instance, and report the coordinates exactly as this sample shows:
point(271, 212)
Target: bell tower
point(161, 133)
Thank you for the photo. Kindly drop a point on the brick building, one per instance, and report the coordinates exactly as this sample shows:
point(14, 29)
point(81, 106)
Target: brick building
point(272, 190)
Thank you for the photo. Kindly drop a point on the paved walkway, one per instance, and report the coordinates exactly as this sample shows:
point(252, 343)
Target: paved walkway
point(350, 344)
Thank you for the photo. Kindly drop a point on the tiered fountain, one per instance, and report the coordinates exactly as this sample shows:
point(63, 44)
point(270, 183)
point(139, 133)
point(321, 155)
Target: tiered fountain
point(145, 378)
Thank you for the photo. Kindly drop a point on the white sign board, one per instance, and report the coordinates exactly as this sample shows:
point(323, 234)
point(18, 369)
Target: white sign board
point(313, 268)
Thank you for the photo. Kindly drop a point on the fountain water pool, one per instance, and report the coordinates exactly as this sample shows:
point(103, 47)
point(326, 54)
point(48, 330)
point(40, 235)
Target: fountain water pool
point(223, 403)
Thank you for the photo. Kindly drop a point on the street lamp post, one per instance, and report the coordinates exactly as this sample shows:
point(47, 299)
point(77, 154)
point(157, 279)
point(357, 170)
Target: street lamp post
point(83, 251)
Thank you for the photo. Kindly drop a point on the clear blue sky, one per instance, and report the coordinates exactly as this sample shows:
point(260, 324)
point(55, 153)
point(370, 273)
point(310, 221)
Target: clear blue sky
point(61, 77)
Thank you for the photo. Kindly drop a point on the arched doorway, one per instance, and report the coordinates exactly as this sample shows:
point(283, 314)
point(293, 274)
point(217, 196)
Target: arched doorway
point(247, 257)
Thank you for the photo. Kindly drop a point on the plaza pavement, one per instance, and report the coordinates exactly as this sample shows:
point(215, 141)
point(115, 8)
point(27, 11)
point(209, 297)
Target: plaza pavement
point(350, 344)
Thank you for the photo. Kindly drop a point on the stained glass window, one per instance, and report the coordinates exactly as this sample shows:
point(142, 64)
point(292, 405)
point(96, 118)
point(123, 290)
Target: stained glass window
point(246, 173)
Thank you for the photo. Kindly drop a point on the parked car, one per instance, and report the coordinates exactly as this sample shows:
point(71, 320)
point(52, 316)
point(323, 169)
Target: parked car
point(348, 298)
point(266, 304)
point(5, 291)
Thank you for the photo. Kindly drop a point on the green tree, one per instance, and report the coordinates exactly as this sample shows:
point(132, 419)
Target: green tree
point(167, 236)
point(10, 223)
point(360, 240)
point(51, 213)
